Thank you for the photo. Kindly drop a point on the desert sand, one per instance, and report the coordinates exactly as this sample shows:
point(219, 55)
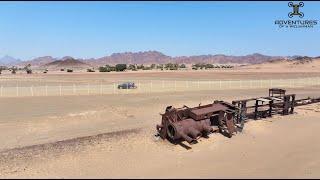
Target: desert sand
point(112, 136)
point(285, 66)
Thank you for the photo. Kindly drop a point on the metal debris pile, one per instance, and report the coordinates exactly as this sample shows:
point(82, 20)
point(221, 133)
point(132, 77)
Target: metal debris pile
point(190, 124)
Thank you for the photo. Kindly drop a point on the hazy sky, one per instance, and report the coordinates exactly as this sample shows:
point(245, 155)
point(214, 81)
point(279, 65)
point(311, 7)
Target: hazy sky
point(96, 29)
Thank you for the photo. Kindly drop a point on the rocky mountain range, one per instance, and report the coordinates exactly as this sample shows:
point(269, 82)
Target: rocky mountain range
point(40, 61)
point(8, 60)
point(156, 57)
point(150, 57)
point(66, 62)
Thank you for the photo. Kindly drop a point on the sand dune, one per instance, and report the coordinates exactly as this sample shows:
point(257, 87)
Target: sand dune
point(285, 66)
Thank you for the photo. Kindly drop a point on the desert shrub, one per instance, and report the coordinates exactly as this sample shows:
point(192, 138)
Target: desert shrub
point(132, 67)
point(13, 69)
point(121, 67)
point(147, 68)
point(153, 66)
point(3, 68)
point(182, 66)
point(160, 66)
point(61, 69)
point(227, 66)
point(209, 66)
point(104, 69)
point(90, 70)
point(140, 66)
point(167, 66)
point(27, 68)
point(171, 66)
point(199, 65)
point(69, 70)
point(112, 68)
point(195, 67)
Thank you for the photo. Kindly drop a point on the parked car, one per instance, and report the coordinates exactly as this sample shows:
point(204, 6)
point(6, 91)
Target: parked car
point(127, 85)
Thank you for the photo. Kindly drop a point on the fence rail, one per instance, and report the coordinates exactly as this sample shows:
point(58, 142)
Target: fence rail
point(152, 86)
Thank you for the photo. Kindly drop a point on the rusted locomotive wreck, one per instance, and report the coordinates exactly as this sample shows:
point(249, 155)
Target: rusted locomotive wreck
point(190, 124)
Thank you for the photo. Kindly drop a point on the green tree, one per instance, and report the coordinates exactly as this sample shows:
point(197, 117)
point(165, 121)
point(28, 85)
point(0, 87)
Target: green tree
point(121, 67)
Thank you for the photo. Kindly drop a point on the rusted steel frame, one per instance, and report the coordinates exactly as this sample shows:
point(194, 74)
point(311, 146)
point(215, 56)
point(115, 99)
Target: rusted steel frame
point(300, 102)
point(270, 108)
point(286, 107)
point(286, 104)
point(191, 123)
point(261, 105)
point(253, 99)
point(273, 91)
point(250, 99)
point(264, 105)
point(293, 97)
point(241, 108)
point(256, 109)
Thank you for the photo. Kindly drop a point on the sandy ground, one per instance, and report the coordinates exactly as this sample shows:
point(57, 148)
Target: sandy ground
point(284, 66)
point(56, 78)
point(111, 136)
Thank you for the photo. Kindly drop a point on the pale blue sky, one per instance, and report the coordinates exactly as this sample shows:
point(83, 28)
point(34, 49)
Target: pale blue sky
point(96, 29)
